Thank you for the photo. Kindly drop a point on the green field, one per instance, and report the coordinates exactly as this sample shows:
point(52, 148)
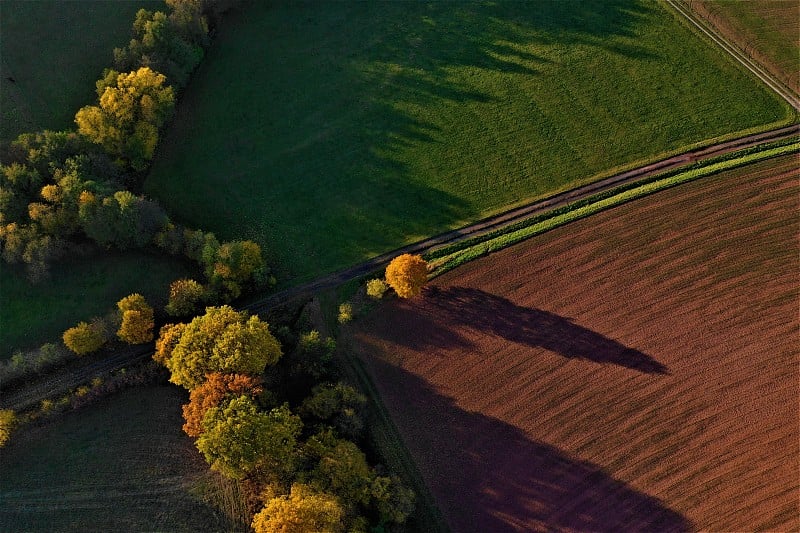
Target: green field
point(767, 29)
point(331, 132)
point(120, 465)
point(78, 290)
point(55, 51)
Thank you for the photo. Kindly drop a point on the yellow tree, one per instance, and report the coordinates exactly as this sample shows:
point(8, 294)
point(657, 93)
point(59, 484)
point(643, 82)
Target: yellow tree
point(85, 338)
point(302, 511)
point(137, 320)
point(184, 296)
point(133, 106)
point(407, 274)
point(222, 340)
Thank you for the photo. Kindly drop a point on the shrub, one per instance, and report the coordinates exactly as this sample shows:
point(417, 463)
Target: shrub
point(376, 288)
point(345, 313)
point(84, 338)
point(184, 297)
point(8, 420)
point(407, 274)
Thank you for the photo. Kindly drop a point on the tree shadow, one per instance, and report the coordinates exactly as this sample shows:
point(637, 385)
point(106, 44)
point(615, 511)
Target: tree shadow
point(436, 319)
point(487, 475)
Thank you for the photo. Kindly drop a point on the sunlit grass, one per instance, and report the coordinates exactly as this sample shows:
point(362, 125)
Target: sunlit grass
point(332, 132)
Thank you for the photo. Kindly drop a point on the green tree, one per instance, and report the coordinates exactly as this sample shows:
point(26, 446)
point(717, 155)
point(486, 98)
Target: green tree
point(222, 340)
point(122, 220)
point(130, 113)
point(234, 265)
point(342, 469)
point(304, 510)
point(238, 438)
point(407, 274)
point(338, 405)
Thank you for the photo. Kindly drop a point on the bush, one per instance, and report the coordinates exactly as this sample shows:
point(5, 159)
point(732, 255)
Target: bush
point(345, 313)
point(8, 420)
point(84, 338)
point(376, 288)
point(407, 274)
point(184, 297)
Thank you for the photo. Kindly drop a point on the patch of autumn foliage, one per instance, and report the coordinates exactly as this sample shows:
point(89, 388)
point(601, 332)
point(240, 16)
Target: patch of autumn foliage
point(211, 393)
point(407, 274)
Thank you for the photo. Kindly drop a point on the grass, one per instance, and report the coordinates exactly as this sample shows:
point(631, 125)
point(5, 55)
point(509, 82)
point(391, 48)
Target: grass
point(332, 132)
point(766, 29)
point(120, 465)
point(55, 51)
point(78, 290)
point(450, 257)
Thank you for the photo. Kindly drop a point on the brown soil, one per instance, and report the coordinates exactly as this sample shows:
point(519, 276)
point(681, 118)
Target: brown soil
point(637, 370)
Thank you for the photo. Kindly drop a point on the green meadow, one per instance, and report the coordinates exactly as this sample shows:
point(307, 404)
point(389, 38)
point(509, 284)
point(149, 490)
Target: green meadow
point(77, 290)
point(330, 132)
point(55, 51)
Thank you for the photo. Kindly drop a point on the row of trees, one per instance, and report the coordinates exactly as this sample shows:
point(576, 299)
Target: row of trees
point(62, 191)
point(277, 423)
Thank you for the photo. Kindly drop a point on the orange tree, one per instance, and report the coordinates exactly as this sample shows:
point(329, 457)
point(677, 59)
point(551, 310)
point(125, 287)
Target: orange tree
point(407, 274)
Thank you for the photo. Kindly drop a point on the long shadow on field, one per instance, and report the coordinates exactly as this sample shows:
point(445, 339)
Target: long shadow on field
point(487, 475)
point(437, 317)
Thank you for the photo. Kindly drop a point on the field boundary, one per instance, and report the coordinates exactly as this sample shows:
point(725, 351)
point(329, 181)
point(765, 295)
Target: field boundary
point(31, 393)
point(751, 64)
point(448, 258)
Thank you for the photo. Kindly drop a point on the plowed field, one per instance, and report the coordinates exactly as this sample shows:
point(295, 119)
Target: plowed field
point(637, 370)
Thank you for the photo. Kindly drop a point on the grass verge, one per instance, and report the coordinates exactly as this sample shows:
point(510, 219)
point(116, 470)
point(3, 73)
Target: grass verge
point(452, 256)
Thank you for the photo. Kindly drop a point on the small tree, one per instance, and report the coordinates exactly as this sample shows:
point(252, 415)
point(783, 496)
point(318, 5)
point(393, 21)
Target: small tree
point(168, 338)
point(85, 338)
point(184, 297)
point(137, 320)
point(8, 420)
point(302, 511)
point(407, 274)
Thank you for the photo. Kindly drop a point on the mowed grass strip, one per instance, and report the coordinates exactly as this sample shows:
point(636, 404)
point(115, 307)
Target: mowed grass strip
point(120, 465)
point(768, 30)
point(54, 51)
point(332, 132)
point(78, 290)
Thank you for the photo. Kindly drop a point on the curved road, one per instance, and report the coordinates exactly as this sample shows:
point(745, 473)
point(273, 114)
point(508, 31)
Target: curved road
point(69, 379)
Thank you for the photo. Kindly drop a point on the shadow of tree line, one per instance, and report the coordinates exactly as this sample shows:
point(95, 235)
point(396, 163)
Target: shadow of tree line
point(488, 476)
point(435, 321)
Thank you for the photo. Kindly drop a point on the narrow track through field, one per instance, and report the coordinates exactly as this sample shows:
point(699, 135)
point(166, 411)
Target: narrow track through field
point(62, 382)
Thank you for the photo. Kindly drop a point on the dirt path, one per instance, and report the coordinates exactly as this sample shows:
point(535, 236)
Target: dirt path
point(760, 72)
point(60, 383)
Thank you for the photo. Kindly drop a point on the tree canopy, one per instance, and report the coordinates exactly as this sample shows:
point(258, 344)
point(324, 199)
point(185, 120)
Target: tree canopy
point(222, 340)
point(303, 510)
point(238, 438)
point(407, 274)
point(133, 106)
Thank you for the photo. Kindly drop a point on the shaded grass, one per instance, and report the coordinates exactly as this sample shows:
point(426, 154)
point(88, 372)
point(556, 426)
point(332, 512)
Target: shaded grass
point(450, 257)
point(78, 290)
point(332, 132)
point(768, 30)
point(122, 464)
point(55, 51)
